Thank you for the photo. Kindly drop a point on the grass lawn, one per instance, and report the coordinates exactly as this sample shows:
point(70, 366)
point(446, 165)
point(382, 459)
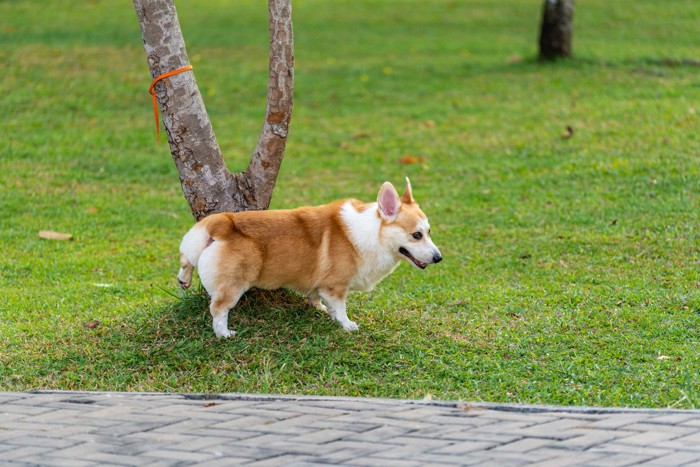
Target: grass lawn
point(571, 264)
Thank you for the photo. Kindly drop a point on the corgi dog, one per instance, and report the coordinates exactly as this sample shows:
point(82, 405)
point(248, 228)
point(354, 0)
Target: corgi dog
point(323, 251)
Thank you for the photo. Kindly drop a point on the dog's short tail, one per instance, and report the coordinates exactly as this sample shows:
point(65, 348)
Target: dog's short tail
point(193, 243)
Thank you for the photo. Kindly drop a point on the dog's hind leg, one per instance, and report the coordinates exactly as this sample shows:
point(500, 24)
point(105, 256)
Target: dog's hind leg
point(193, 244)
point(184, 277)
point(315, 301)
point(335, 300)
point(221, 303)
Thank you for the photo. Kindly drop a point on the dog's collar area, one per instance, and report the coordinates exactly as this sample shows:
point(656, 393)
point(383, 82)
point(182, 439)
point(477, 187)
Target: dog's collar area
point(408, 255)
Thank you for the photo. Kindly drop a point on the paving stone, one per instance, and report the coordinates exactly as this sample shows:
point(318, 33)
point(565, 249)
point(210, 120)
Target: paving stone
point(475, 435)
point(322, 436)
point(678, 458)
point(410, 449)
point(442, 459)
point(524, 445)
point(227, 461)
point(647, 426)
point(112, 458)
point(43, 441)
point(283, 460)
point(24, 409)
point(44, 461)
point(438, 432)
point(379, 434)
point(613, 422)
point(383, 462)
point(177, 455)
point(495, 457)
point(289, 425)
point(617, 448)
point(587, 439)
point(619, 460)
point(561, 458)
point(464, 447)
point(345, 452)
point(505, 427)
point(672, 419)
point(357, 427)
point(522, 417)
point(80, 450)
point(649, 438)
point(689, 442)
point(22, 452)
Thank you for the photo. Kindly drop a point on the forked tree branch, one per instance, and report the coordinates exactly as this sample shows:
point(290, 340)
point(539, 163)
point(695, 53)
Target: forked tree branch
point(207, 183)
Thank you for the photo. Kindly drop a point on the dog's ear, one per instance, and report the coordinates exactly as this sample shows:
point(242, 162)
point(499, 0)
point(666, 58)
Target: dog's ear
point(388, 202)
point(407, 197)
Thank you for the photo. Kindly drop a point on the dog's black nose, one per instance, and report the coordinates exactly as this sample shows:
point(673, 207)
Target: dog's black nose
point(437, 258)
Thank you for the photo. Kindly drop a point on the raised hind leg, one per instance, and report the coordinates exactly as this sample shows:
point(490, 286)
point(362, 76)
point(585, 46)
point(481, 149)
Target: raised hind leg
point(184, 278)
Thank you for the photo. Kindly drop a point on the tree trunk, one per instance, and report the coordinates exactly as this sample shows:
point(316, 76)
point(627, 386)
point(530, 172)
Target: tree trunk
point(556, 29)
point(207, 183)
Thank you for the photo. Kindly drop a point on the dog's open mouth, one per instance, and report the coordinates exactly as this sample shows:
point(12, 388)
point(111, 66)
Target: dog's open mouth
point(408, 255)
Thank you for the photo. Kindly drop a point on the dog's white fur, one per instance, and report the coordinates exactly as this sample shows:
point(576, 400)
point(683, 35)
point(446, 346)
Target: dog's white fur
point(323, 251)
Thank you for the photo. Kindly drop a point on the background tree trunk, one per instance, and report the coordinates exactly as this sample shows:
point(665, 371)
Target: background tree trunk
point(207, 183)
point(556, 29)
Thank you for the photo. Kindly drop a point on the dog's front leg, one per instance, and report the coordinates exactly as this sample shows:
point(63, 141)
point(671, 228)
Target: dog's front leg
point(336, 308)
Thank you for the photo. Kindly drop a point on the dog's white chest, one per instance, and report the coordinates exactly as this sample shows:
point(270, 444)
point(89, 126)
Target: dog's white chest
point(375, 261)
point(372, 271)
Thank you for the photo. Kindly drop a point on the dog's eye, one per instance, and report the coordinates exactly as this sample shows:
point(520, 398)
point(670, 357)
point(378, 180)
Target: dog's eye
point(417, 235)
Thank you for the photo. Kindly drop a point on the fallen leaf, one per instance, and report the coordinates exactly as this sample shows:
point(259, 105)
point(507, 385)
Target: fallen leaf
point(410, 160)
point(91, 210)
point(210, 404)
point(49, 235)
point(663, 357)
point(470, 407)
point(361, 135)
point(514, 59)
point(91, 324)
point(568, 133)
point(428, 124)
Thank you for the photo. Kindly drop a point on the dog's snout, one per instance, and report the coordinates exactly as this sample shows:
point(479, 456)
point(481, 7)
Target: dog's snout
point(437, 258)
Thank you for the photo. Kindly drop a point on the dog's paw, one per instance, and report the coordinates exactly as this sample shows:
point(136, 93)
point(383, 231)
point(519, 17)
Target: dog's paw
point(350, 326)
point(225, 334)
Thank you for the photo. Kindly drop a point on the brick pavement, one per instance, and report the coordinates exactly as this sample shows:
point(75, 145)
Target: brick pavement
point(76, 428)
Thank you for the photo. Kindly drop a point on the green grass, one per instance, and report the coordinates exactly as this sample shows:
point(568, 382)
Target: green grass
point(571, 265)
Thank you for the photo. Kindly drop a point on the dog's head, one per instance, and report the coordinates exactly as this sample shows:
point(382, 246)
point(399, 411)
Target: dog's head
point(405, 230)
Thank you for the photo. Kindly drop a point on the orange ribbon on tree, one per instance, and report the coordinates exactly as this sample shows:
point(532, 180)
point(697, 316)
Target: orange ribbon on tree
point(153, 93)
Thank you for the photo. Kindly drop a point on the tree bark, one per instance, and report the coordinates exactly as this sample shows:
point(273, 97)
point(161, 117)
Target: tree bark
point(556, 29)
point(207, 183)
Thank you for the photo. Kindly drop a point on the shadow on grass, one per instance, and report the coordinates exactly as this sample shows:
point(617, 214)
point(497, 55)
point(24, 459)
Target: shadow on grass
point(282, 345)
point(174, 348)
